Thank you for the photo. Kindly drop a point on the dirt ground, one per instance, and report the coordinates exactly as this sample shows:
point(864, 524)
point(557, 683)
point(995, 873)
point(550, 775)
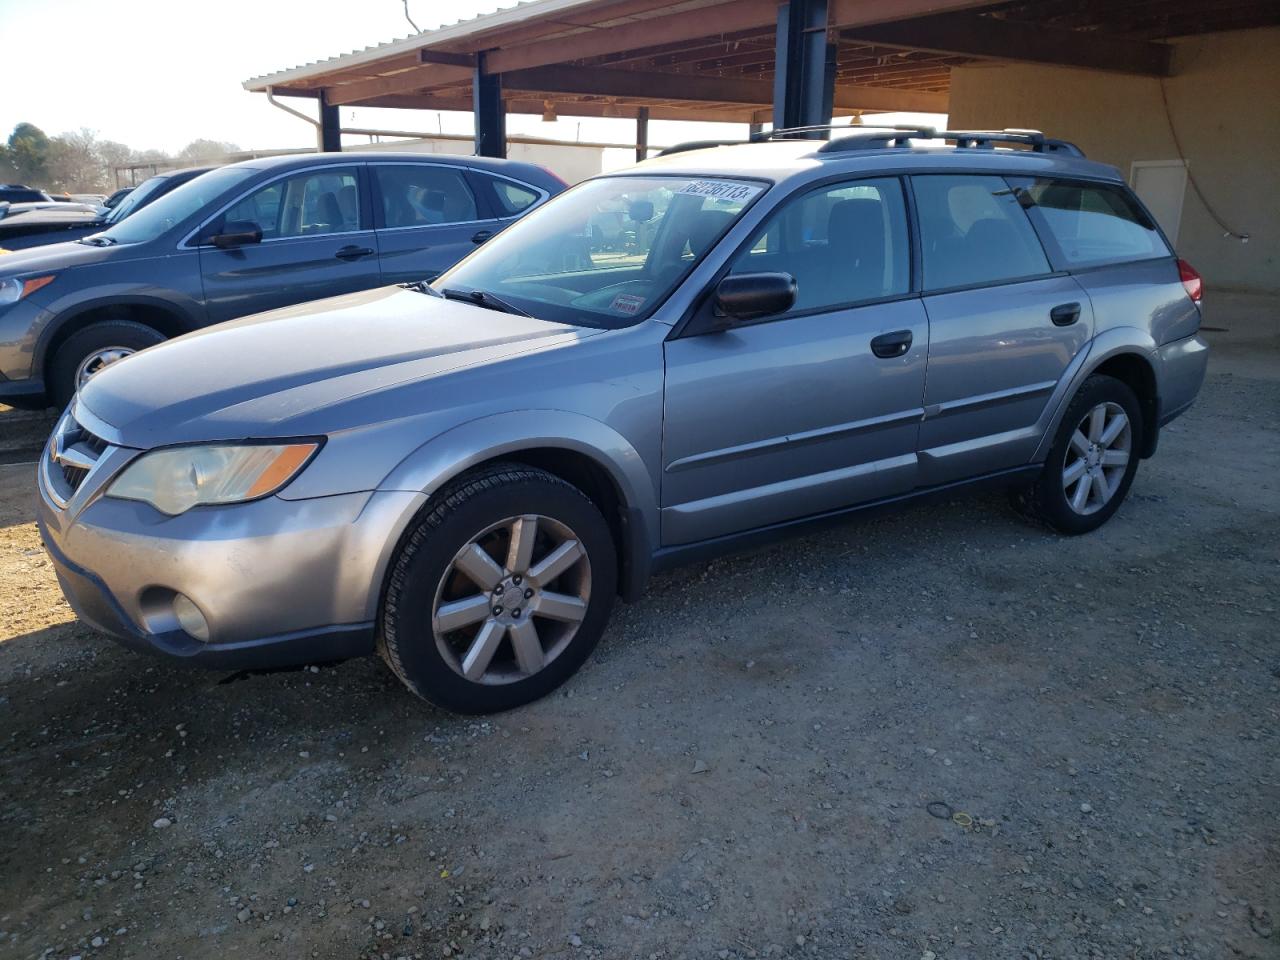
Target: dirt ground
point(744, 769)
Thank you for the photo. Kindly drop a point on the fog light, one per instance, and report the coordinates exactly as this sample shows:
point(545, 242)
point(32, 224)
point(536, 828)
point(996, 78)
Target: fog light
point(190, 618)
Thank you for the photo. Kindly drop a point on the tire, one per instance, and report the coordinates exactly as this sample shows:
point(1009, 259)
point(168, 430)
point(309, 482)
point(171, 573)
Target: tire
point(1054, 497)
point(105, 335)
point(566, 616)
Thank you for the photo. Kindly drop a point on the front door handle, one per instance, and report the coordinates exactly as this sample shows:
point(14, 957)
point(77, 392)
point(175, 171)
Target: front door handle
point(890, 345)
point(480, 236)
point(353, 253)
point(1065, 314)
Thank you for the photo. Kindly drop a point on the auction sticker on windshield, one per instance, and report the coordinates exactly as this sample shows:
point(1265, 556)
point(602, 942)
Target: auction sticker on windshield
point(722, 189)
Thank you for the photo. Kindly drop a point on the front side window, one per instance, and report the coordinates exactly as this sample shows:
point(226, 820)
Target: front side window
point(1090, 223)
point(423, 196)
point(318, 202)
point(973, 231)
point(843, 244)
point(608, 252)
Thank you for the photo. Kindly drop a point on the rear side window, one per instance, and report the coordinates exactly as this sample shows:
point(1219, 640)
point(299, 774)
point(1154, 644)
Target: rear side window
point(422, 195)
point(513, 198)
point(973, 231)
point(843, 244)
point(1089, 223)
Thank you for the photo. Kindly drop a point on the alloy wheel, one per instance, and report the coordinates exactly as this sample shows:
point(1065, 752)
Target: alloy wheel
point(1097, 457)
point(512, 599)
point(95, 361)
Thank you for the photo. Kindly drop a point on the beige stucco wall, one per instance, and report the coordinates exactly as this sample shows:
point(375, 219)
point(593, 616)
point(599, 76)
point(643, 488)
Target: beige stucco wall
point(1224, 97)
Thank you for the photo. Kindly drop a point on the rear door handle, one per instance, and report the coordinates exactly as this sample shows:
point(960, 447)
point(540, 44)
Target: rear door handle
point(890, 345)
point(353, 253)
point(480, 236)
point(1065, 314)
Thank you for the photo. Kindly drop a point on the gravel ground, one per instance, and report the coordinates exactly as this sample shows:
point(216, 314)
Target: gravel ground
point(744, 769)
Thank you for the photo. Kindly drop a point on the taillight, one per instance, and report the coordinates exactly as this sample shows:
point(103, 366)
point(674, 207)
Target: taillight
point(555, 176)
point(1191, 281)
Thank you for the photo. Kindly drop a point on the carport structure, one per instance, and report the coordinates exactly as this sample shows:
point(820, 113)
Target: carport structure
point(752, 61)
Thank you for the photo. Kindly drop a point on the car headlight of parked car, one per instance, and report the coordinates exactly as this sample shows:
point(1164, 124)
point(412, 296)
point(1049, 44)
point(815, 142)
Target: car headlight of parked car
point(12, 289)
point(176, 479)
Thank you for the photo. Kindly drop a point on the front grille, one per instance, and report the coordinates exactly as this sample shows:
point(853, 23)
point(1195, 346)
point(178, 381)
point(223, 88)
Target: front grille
point(73, 453)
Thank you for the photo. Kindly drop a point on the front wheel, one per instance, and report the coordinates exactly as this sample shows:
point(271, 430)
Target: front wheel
point(88, 351)
point(499, 592)
point(1092, 462)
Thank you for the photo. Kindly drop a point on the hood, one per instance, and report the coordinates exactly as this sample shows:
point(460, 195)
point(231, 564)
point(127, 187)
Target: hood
point(52, 257)
point(286, 373)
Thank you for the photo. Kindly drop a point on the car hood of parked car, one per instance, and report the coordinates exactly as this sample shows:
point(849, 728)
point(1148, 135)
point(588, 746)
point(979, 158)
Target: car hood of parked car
point(53, 257)
point(307, 370)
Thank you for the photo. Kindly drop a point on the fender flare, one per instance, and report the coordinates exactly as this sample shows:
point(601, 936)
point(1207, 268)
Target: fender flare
point(1114, 342)
point(449, 454)
point(64, 313)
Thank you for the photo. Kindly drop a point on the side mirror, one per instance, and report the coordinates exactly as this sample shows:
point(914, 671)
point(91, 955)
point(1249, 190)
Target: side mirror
point(237, 233)
point(750, 296)
point(641, 211)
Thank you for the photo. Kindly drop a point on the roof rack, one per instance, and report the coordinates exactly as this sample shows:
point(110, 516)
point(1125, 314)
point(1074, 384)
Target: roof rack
point(877, 138)
point(974, 139)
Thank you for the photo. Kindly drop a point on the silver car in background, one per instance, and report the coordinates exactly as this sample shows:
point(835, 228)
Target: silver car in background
point(709, 349)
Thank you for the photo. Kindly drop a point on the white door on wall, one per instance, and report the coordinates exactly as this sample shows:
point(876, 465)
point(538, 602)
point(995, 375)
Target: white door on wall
point(1161, 185)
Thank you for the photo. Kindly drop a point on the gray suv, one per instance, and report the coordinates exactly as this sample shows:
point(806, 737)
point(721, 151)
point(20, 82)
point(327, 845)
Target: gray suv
point(240, 239)
point(692, 355)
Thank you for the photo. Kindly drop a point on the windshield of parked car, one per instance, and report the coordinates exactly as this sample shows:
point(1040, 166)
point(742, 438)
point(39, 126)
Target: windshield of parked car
point(135, 199)
point(174, 207)
point(606, 253)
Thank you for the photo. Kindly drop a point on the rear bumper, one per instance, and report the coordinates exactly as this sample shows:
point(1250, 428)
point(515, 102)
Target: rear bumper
point(1183, 364)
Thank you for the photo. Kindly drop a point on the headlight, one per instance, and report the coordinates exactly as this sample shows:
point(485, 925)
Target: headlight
point(177, 479)
point(12, 290)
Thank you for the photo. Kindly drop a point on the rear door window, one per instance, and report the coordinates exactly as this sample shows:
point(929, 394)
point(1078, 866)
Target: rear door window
point(423, 195)
point(974, 231)
point(1087, 224)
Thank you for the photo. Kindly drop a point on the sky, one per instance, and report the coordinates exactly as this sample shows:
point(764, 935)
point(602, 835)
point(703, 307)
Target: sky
point(161, 73)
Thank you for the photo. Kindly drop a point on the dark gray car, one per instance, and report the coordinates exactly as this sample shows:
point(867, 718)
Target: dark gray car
point(241, 239)
point(697, 353)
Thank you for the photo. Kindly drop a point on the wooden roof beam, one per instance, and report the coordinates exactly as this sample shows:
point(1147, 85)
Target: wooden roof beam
point(707, 89)
point(652, 32)
point(856, 13)
point(406, 81)
point(986, 37)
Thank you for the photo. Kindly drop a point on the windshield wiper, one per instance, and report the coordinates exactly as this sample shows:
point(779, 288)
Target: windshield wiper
point(423, 286)
point(482, 299)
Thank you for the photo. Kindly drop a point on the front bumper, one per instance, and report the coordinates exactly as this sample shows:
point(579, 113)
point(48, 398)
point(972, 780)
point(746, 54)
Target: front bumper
point(279, 582)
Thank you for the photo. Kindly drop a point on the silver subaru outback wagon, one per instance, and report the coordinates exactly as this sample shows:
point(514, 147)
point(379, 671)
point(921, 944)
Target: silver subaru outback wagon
point(713, 347)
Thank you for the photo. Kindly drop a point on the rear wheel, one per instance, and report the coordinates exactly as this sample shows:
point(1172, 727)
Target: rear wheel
point(499, 592)
point(88, 351)
point(1092, 462)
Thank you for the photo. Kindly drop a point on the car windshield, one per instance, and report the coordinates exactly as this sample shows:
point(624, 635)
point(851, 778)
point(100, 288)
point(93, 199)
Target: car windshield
point(176, 206)
point(135, 199)
point(606, 253)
